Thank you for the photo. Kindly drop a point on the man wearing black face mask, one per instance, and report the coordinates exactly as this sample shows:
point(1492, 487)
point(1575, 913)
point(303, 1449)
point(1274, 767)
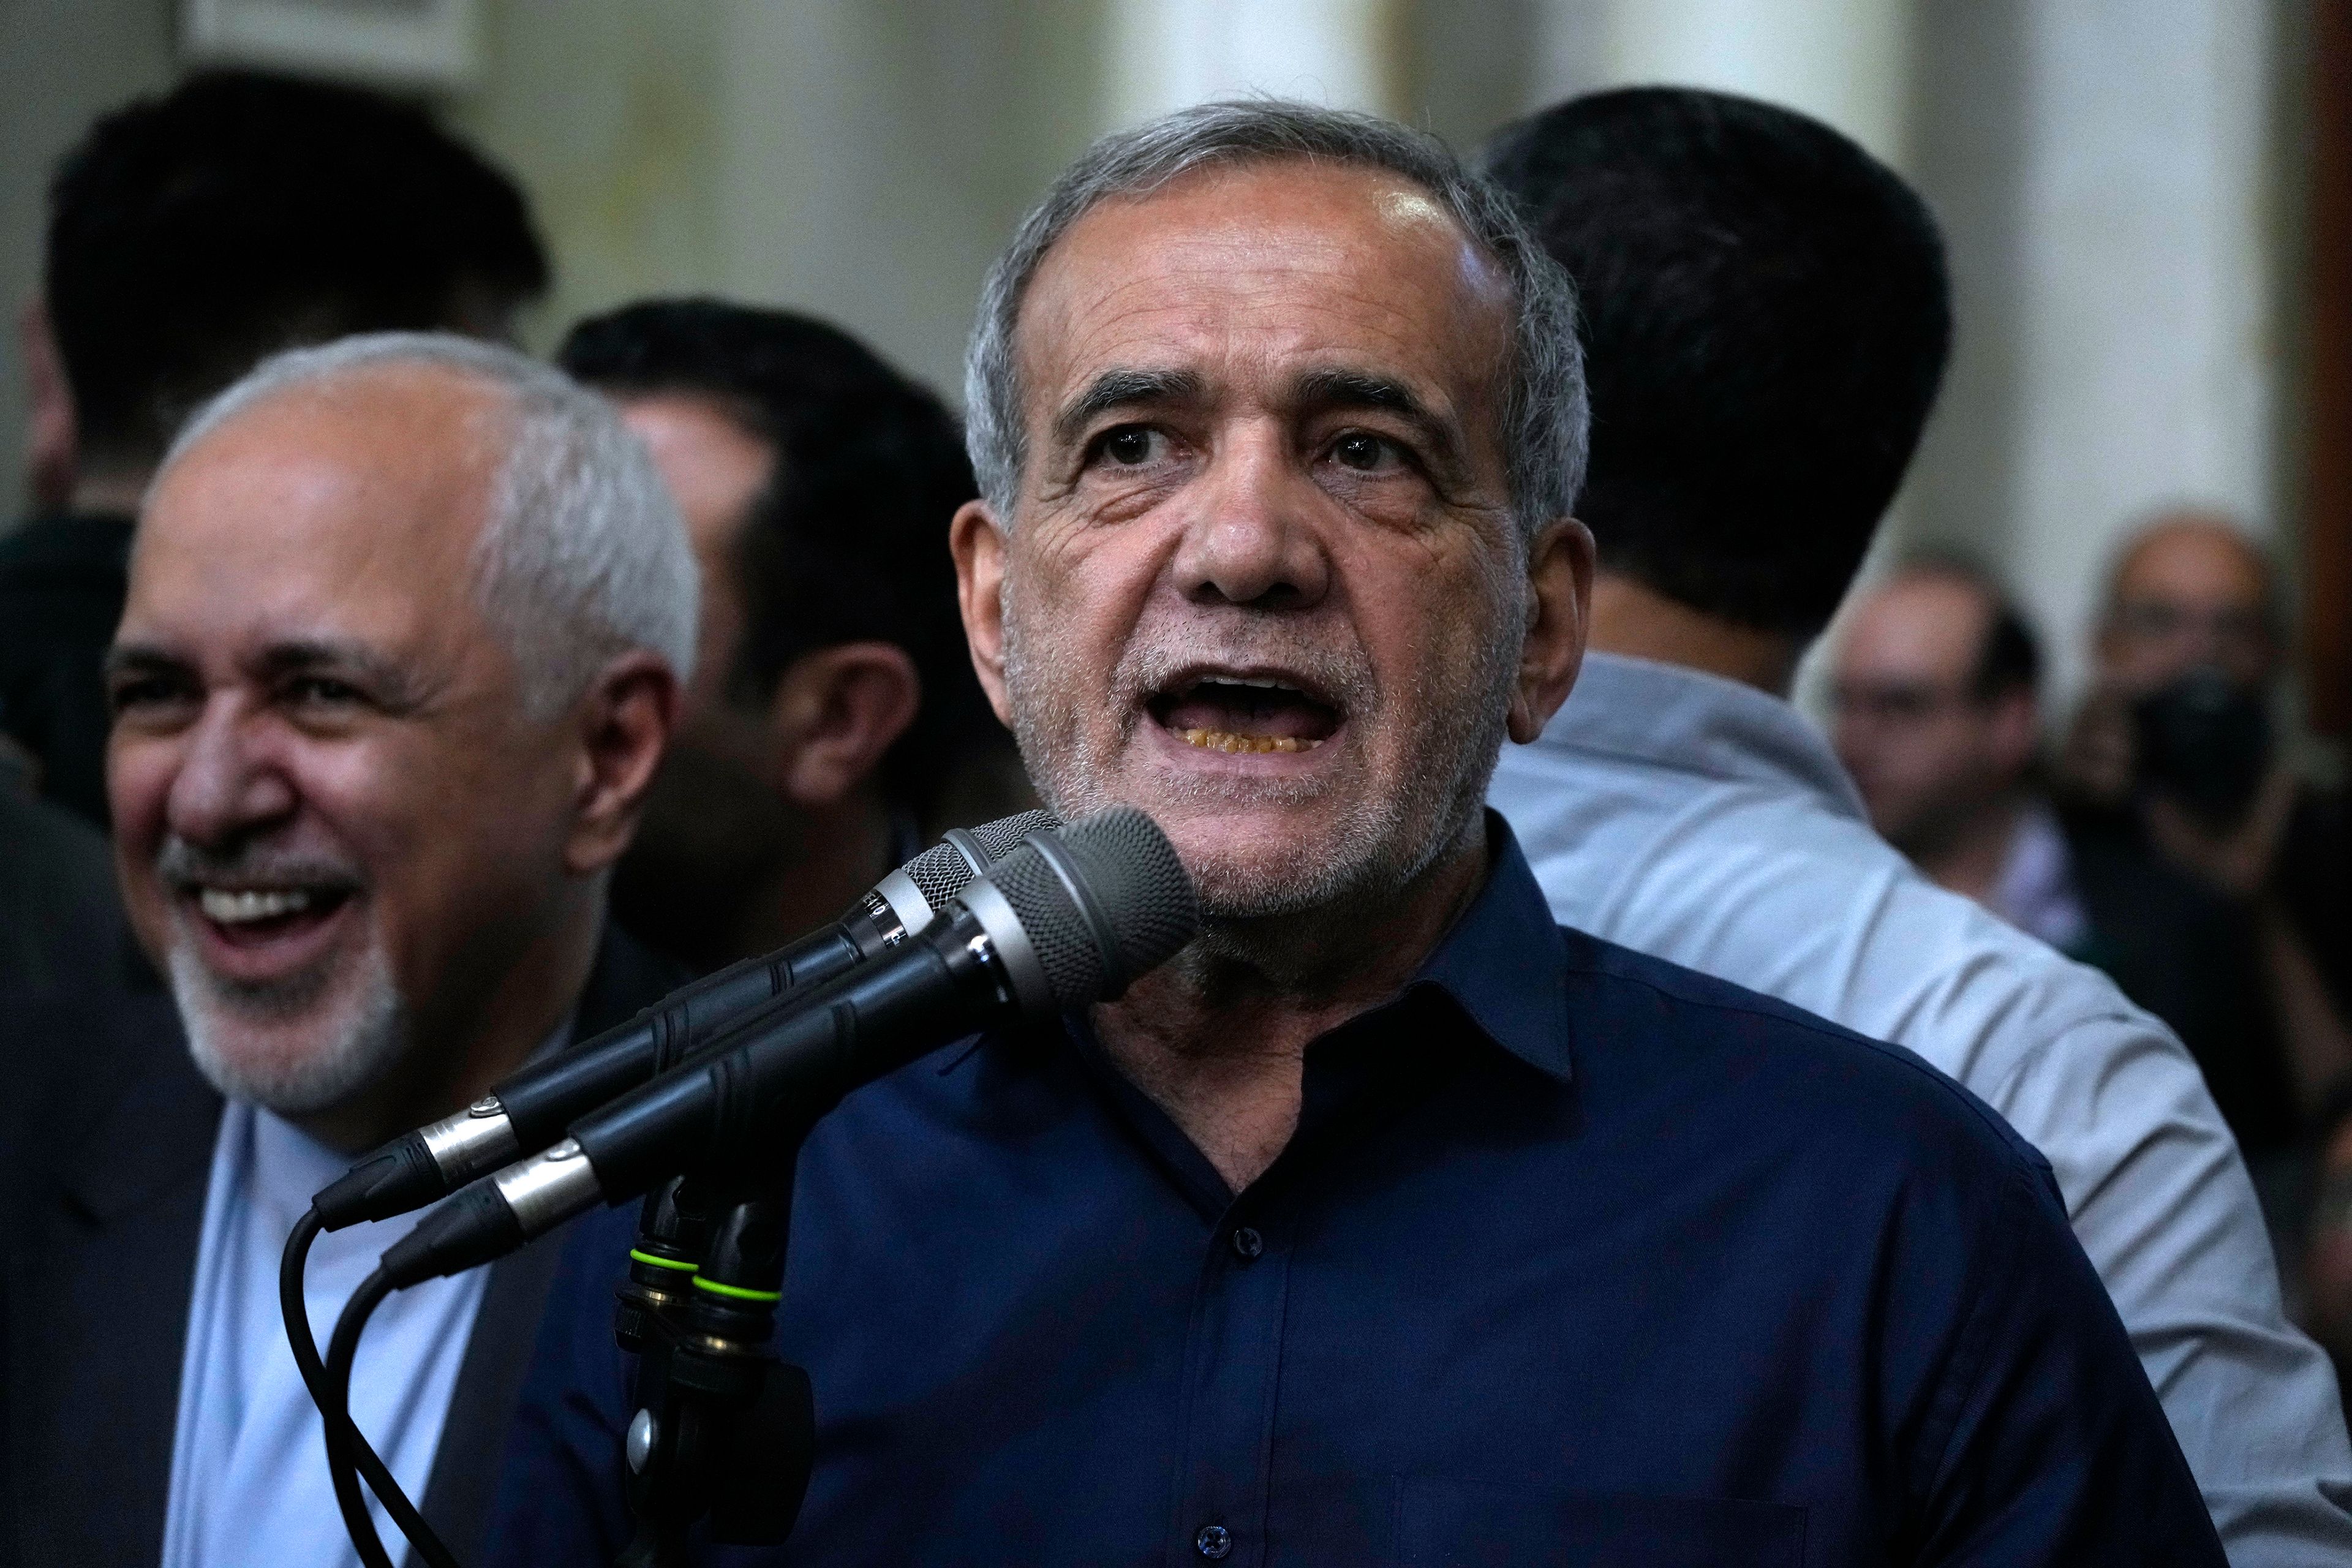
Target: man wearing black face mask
point(2217, 880)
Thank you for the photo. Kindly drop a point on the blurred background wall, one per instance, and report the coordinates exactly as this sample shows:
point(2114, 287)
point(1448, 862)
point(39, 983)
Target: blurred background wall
point(2121, 184)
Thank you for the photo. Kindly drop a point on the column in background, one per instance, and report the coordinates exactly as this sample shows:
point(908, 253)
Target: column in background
point(1844, 61)
point(1164, 54)
point(2108, 183)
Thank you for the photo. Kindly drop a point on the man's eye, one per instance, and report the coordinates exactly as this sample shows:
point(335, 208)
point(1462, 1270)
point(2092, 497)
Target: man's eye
point(143, 692)
point(1366, 454)
point(1132, 446)
point(322, 689)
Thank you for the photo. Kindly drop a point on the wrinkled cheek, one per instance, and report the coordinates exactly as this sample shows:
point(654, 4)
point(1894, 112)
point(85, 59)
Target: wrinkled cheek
point(1044, 668)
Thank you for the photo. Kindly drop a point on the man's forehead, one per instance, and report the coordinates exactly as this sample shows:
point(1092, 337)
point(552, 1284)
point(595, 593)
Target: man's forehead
point(398, 454)
point(1271, 262)
point(307, 518)
point(2192, 560)
point(1924, 623)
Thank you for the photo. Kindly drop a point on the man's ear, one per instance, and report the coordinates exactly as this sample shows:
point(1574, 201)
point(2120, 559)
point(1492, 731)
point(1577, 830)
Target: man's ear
point(1559, 619)
point(979, 544)
point(834, 713)
point(625, 722)
point(51, 439)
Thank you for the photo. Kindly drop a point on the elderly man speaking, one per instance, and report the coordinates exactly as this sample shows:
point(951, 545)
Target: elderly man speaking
point(406, 623)
point(1390, 1222)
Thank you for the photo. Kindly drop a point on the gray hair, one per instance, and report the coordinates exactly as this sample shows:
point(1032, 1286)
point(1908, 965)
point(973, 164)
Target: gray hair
point(1544, 406)
point(583, 556)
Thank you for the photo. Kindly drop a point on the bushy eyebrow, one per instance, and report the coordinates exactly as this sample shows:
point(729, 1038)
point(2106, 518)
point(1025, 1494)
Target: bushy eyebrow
point(307, 655)
point(302, 656)
point(1116, 389)
point(142, 658)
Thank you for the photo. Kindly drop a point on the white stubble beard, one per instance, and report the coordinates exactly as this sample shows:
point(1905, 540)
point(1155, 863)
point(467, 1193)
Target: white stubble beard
point(365, 1029)
point(1442, 793)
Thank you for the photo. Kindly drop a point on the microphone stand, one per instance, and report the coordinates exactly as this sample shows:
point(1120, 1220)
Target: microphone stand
point(722, 1427)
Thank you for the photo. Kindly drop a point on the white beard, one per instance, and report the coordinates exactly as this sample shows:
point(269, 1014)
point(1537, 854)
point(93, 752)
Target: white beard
point(354, 1042)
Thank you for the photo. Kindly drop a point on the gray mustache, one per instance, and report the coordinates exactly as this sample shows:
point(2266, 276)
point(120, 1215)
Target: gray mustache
point(179, 862)
point(1344, 675)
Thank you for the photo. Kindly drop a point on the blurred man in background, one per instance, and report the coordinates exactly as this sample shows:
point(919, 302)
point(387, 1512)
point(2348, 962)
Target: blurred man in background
point(2189, 591)
point(834, 724)
point(407, 619)
point(2220, 885)
point(189, 236)
point(1765, 313)
point(1936, 694)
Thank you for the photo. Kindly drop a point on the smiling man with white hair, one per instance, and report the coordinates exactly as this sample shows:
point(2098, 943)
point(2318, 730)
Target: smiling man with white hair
point(407, 620)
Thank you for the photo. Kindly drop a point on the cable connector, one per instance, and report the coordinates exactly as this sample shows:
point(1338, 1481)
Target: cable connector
point(474, 1227)
point(396, 1178)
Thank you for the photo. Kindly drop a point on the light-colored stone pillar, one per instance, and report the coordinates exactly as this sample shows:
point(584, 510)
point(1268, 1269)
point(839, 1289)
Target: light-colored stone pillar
point(2108, 185)
point(1164, 54)
point(1844, 61)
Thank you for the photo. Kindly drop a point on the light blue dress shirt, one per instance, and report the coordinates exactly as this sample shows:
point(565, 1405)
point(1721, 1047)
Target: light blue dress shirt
point(1707, 823)
point(249, 1479)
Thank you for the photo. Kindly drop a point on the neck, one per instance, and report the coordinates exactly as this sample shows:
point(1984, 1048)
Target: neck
point(840, 852)
point(461, 1048)
point(1218, 1038)
point(1968, 857)
point(1634, 620)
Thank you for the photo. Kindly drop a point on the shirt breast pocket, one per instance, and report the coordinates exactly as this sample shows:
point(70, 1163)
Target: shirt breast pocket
point(1475, 1524)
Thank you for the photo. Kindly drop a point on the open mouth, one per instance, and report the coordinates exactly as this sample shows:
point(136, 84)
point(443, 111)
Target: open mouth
point(1236, 713)
point(248, 916)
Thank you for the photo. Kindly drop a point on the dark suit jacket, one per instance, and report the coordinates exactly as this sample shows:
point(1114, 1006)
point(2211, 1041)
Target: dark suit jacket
point(59, 913)
point(102, 1173)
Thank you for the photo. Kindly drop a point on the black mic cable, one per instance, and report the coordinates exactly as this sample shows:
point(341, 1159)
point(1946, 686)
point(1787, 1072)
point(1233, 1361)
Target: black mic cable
point(341, 1351)
point(349, 1454)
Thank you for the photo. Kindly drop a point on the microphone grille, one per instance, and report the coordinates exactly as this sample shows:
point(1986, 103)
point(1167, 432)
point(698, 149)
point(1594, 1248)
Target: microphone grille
point(1142, 888)
point(999, 838)
point(1118, 903)
point(941, 872)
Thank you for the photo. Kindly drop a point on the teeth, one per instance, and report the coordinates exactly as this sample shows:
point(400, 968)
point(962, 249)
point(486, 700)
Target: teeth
point(1251, 680)
point(236, 909)
point(1226, 740)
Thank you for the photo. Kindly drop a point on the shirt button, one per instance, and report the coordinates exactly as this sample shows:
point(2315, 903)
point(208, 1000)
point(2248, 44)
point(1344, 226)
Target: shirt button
point(1213, 1541)
point(1247, 1245)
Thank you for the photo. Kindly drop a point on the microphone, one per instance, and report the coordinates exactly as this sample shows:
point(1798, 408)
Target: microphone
point(1062, 920)
point(528, 1111)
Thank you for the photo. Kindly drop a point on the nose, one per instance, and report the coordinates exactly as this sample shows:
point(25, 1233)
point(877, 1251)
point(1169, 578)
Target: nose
point(228, 785)
point(1253, 541)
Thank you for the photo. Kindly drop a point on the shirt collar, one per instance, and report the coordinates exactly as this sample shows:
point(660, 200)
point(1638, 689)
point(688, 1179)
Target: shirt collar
point(1504, 965)
point(1673, 716)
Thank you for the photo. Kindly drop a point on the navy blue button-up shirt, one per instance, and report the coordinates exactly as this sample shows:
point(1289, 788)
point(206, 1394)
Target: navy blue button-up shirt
point(1576, 1257)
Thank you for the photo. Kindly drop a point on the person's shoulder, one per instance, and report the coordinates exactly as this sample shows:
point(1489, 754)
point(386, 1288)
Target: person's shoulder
point(1766, 1061)
point(1776, 890)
